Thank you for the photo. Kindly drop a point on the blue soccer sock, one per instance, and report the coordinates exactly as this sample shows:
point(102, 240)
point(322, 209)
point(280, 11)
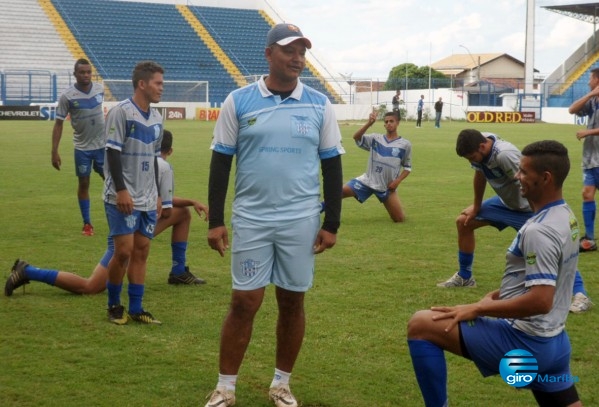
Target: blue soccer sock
point(578, 284)
point(136, 294)
point(465, 261)
point(84, 206)
point(43, 275)
point(588, 215)
point(178, 250)
point(431, 371)
point(114, 293)
point(108, 253)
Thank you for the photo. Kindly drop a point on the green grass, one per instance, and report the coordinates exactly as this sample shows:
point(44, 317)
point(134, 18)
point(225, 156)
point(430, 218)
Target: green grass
point(57, 349)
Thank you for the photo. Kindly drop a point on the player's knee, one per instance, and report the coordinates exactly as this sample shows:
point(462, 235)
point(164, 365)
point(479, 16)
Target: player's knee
point(417, 324)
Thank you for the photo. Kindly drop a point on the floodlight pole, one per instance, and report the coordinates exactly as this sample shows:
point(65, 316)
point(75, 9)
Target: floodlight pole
point(475, 63)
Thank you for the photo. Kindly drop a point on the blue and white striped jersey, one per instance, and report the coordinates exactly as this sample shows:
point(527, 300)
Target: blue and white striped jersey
point(166, 183)
point(137, 135)
point(387, 159)
point(87, 116)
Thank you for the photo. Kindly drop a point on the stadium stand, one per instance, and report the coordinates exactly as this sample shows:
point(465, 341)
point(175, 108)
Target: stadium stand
point(223, 46)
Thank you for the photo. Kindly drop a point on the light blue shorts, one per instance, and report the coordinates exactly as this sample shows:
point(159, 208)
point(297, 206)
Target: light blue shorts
point(590, 177)
point(88, 159)
point(123, 224)
point(281, 254)
point(363, 192)
point(494, 211)
point(487, 340)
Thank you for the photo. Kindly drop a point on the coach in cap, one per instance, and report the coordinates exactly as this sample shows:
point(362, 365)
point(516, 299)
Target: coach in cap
point(284, 135)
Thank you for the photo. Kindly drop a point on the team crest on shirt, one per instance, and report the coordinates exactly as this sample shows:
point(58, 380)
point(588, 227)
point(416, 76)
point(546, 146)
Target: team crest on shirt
point(531, 258)
point(395, 151)
point(99, 98)
point(249, 267)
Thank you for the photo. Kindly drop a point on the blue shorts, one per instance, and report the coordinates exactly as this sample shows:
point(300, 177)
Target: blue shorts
point(123, 224)
point(590, 177)
point(363, 192)
point(88, 159)
point(281, 254)
point(487, 340)
point(494, 211)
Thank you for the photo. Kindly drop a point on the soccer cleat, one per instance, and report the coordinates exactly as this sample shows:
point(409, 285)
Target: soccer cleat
point(145, 318)
point(185, 278)
point(88, 230)
point(580, 303)
point(117, 315)
point(587, 245)
point(221, 397)
point(457, 281)
point(282, 397)
point(17, 277)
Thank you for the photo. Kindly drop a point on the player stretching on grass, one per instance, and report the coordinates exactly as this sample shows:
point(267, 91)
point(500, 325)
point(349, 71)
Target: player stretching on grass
point(495, 162)
point(389, 164)
point(175, 214)
point(527, 314)
point(83, 101)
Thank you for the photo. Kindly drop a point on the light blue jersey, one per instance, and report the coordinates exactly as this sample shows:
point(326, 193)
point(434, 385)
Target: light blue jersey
point(87, 116)
point(138, 136)
point(284, 148)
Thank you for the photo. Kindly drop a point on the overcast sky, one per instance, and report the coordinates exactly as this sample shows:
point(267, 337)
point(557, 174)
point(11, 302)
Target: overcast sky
point(369, 37)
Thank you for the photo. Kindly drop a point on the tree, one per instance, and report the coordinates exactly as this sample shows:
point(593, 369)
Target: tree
point(417, 77)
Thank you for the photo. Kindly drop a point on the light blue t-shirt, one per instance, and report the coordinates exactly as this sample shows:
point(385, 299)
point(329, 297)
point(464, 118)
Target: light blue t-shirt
point(278, 146)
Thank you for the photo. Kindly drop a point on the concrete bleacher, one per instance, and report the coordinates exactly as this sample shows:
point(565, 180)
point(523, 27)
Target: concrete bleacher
point(115, 35)
point(30, 42)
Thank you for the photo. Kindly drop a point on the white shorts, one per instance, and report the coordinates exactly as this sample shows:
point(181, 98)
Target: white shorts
point(281, 254)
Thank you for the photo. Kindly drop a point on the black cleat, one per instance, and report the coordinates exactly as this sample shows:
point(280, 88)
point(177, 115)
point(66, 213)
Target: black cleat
point(17, 277)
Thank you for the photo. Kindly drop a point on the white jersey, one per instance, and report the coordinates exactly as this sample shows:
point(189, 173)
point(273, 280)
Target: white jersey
point(544, 252)
point(387, 159)
point(87, 116)
point(499, 169)
point(279, 145)
point(137, 135)
point(166, 183)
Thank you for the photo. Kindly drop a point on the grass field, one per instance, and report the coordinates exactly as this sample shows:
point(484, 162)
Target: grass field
point(58, 349)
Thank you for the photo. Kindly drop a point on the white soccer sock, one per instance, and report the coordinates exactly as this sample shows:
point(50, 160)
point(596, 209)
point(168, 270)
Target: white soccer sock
point(279, 378)
point(227, 381)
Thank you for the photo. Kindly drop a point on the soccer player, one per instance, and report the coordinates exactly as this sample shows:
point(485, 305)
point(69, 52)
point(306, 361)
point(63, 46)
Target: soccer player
point(587, 106)
point(133, 139)
point(282, 133)
point(389, 164)
point(529, 310)
point(83, 102)
point(175, 213)
point(495, 162)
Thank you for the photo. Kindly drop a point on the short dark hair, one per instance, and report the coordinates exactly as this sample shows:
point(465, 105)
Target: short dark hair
point(167, 141)
point(144, 70)
point(550, 156)
point(468, 142)
point(396, 114)
point(80, 61)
